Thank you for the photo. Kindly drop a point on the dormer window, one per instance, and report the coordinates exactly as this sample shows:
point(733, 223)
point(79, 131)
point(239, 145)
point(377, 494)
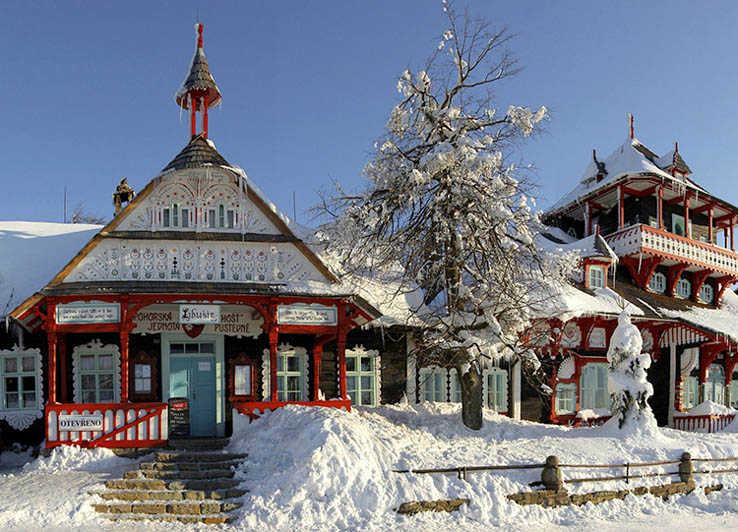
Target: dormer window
point(683, 288)
point(596, 277)
point(657, 283)
point(706, 293)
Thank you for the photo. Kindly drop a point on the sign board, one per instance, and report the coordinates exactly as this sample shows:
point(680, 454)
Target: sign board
point(307, 315)
point(88, 313)
point(179, 418)
point(81, 422)
point(235, 320)
point(199, 314)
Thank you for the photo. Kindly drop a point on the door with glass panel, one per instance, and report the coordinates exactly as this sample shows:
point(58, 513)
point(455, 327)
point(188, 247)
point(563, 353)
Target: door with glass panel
point(192, 375)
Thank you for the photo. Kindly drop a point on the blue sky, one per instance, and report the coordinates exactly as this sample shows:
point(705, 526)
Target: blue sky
point(87, 89)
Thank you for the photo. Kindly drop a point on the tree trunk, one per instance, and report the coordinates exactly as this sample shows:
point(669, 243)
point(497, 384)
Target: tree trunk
point(471, 397)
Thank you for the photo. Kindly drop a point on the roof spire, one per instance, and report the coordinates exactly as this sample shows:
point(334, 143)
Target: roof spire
point(630, 123)
point(199, 91)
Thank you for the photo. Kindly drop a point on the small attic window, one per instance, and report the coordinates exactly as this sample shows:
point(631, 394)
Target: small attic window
point(657, 283)
point(221, 217)
point(174, 216)
point(596, 277)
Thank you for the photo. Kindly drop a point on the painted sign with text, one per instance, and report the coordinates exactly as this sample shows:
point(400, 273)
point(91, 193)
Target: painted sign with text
point(307, 315)
point(235, 320)
point(199, 314)
point(88, 313)
point(81, 422)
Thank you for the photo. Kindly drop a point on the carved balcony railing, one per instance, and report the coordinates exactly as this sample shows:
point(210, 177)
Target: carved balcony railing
point(650, 240)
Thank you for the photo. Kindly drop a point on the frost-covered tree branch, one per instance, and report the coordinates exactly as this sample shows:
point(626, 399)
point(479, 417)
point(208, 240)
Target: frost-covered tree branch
point(443, 211)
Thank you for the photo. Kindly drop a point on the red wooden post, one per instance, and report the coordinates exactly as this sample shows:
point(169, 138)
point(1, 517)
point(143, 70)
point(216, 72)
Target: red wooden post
point(686, 218)
point(124, 366)
point(273, 337)
point(710, 231)
point(205, 117)
point(193, 124)
point(317, 356)
point(661, 208)
point(52, 366)
point(62, 351)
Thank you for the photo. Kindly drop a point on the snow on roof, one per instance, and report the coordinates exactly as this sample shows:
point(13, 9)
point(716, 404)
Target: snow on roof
point(32, 253)
point(722, 320)
point(631, 158)
point(556, 240)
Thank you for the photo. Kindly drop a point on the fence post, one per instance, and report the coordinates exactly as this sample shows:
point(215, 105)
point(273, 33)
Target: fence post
point(686, 468)
point(551, 474)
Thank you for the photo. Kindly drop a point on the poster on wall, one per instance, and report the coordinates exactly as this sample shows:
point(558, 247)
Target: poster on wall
point(87, 313)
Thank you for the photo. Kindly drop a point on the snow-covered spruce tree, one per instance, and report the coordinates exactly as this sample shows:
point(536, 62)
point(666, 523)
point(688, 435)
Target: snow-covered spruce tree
point(627, 378)
point(444, 211)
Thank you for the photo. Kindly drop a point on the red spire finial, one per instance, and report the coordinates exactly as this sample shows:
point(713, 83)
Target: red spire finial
point(676, 146)
point(199, 35)
point(630, 121)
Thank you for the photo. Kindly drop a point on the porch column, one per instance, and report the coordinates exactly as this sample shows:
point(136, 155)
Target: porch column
point(515, 380)
point(661, 208)
point(342, 363)
point(686, 217)
point(273, 337)
point(710, 230)
point(672, 384)
point(124, 366)
point(621, 207)
point(732, 243)
point(62, 351)
point(317, 358)
point(52, 366)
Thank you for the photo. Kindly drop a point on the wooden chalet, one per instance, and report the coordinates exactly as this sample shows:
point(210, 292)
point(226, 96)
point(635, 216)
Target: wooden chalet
point(199, 289)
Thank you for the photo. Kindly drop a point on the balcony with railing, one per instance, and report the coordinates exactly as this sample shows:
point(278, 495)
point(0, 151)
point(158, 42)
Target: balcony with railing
point(651, 241)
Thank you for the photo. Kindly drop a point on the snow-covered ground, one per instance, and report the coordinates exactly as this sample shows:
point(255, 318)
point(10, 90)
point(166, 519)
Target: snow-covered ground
point(323, 469)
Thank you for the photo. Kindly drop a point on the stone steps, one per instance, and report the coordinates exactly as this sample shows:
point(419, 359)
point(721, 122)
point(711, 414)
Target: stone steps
point(179, 485)
point(198, 444)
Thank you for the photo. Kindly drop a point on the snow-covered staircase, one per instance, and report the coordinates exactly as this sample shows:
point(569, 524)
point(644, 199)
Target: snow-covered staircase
point(180, 485)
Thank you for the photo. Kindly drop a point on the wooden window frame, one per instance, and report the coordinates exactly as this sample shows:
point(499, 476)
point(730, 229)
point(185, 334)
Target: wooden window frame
point(143, 358)
point(242, 360)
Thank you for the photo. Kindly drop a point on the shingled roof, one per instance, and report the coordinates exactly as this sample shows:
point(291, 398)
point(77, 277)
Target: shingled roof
point(199, 152)
point(198, 79)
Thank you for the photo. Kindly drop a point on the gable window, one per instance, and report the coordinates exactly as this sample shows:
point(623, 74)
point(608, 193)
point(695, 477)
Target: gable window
point(690, 392)
point(495, 389)
point(594, 387)
point(706, 293)
point(361, 376)
point(684, 288)
point(596, 277)
point(657, 283)
point(220, 217)
point(433, 384)
point(715, 384)
point(174, 216)
point(566, 398)
point(96, 373)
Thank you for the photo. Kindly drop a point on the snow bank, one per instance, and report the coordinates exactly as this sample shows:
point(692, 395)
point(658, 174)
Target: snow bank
point(707, 408)
point(324, 469)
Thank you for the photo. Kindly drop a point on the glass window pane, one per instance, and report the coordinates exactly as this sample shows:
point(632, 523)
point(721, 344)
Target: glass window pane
point(350, 363)
point(293, 364)
point(351, 382)
point(138, 371)
point(106, 396)
point(165, 218)
point(11, 384)
point(29, 364)
point(280, 363)
point(211, 218)
point(367, 382)
point(143, 385)
point(207, 347)
point(11, 365)
point(176, 348)
point(11, 400)
point(175, 215)
point(191, 349)
point(29, 399)
point(106, 382)
point(231, 221)
point(185, 218)
point(89, 396)
point(242, 378)
point(29, 384)
point(88, 382)
point(87, 362)
point(280, 382)
point(366, 364)
point(367, 398)
point(105, 362)
point(293, 383)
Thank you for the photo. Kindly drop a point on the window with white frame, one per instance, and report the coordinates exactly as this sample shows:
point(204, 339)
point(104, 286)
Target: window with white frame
point(96, 373)
point(690, 392)
point(684, 288)
point(20, 383)
point(594, 387)
point(596, 277)
point(495, 389)
point(221, 217)
point(566, 398)
point(706, 293)
point(433, 384)
point(292, 373)
point(715, 384)
point(362, 376)
point(175, 216)
point(657, 283)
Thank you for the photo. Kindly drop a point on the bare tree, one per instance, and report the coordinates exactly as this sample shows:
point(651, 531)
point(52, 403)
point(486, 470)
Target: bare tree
point(445, 211)
point(81, 215)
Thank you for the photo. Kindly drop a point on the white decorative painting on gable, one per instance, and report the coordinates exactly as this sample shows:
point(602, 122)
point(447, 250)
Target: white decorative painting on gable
point(117, 259)
point(202, 199)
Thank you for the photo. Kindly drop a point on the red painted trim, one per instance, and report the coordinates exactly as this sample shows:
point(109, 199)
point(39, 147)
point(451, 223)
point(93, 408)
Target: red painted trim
point(253, 409)
point(674, 274)
point(698, 279)
point(641, 271)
